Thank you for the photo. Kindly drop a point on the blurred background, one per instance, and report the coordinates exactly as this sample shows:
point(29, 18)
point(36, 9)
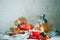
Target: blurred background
point(10, 10)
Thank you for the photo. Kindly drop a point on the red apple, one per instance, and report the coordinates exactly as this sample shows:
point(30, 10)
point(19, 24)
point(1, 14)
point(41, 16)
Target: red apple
point(24, 26)
point(36, 33)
